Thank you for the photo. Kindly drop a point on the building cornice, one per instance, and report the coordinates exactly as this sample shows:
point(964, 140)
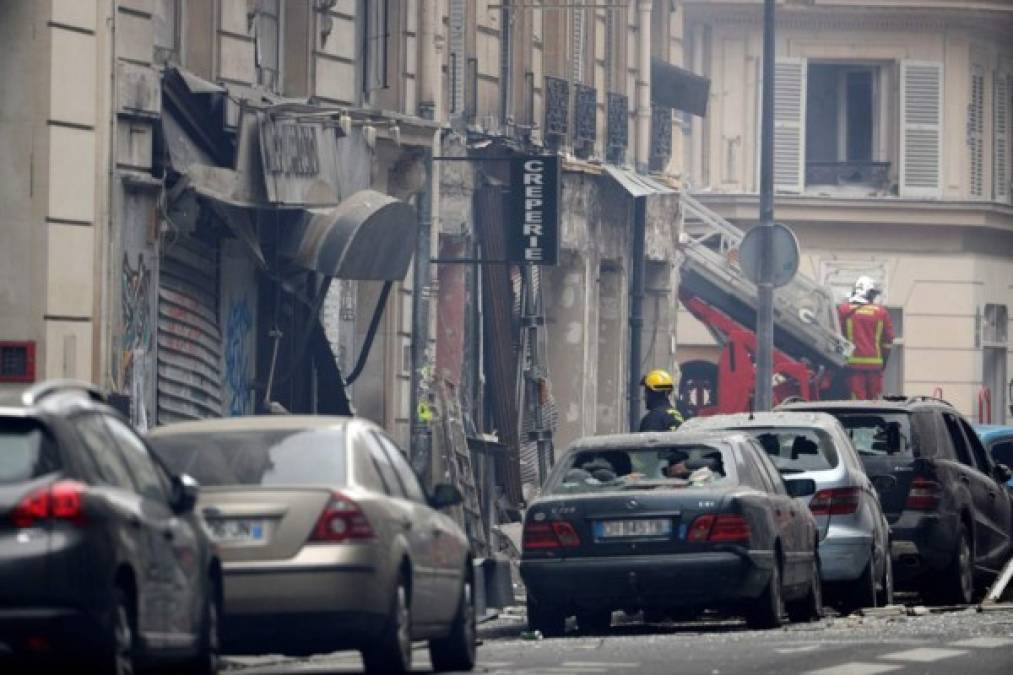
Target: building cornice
point(744, 208)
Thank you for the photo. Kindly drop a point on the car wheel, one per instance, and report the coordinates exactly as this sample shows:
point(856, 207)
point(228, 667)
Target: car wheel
point(548, 620)
point(120, 646)
point(885, 594)
point(768, 609)
point(392, 651)
point(810, 608)
point(207, 660)
point(862, 593)
point(457, 650)
point(959, 585)
point(594, 621)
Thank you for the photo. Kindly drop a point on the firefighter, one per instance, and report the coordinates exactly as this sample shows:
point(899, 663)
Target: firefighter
point(868, 327)
point(661, 414)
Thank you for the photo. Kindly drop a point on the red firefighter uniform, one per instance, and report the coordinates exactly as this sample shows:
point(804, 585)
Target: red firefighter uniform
point(869, 328)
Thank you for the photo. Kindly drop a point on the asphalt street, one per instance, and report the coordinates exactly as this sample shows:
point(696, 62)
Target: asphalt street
point(964, 641)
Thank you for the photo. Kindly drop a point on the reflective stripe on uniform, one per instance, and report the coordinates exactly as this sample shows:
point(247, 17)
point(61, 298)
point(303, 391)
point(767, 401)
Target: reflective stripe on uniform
point(676, 416)
point(866, 361)
point(879, 337)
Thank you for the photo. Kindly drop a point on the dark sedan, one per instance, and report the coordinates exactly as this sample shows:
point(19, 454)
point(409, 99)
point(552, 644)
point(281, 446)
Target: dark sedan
point(670, 524)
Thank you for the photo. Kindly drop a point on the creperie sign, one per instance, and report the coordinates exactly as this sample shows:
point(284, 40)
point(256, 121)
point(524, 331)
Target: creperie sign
point(533, 228)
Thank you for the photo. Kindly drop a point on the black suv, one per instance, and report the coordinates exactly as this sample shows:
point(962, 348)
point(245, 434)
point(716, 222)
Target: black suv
point(102, 558)
point(940, 490)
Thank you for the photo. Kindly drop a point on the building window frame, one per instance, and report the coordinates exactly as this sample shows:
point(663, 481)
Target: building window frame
point(262, 16)
point(375, 76)
point(165, 54)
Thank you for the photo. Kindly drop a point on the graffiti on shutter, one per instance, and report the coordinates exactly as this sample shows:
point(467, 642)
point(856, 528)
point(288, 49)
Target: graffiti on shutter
point(189, 337)
point(1001, 116)
point(921, 94)
point(789, 124)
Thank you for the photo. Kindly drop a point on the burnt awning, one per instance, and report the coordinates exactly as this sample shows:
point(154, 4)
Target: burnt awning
point(636, 184)
point(675, 87)
point(368, 236)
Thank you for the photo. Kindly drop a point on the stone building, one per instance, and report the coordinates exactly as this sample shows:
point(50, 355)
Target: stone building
point(892, 158)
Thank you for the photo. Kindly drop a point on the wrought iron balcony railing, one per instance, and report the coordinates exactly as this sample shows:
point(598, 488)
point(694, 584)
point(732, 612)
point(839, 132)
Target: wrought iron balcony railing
point(617, 128)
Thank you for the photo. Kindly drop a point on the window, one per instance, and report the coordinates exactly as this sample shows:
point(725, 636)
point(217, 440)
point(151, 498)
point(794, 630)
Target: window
point(409, 481)
point(795, 450)
point(749, 474)
point(840, 107)
point(977, 449)
point(367, 474)
point(1002, 453)
point(377, 45)
point(959, 442)
point(165, 19)
point(111, 467)
point(149, 480)
point(384, 466)
point(26, 451)
point(268, 32)
point(769, 471)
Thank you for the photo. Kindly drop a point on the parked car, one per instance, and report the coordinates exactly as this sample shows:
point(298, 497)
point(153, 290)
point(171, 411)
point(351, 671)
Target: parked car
point(328, 540)
point(855, 560)
point(941, 492)
point(103, 564)
point(613, 530)
point(998, 441)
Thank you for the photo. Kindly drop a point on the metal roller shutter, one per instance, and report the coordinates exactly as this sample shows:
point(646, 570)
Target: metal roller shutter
point(189, 336)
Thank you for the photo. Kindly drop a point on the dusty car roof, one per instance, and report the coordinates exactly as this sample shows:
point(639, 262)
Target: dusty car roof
point(252, 423)
point(799, 418)
point(632, 441)
point(893, 406)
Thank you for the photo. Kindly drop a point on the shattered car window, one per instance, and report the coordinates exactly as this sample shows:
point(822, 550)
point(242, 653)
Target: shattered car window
point(878, 434)
point(646, 468)
point(795, 450)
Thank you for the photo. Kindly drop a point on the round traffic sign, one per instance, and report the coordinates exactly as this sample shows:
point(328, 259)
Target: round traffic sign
point(783, 251)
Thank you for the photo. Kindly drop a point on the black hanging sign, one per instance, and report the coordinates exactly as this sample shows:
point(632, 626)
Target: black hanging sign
point(533, 227)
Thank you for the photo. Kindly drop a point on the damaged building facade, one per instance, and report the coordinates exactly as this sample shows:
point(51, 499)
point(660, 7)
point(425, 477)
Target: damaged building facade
point(218, 208)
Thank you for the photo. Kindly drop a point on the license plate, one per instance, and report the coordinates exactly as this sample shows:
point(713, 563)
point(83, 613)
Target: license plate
point(237, 529)
point(640, 527)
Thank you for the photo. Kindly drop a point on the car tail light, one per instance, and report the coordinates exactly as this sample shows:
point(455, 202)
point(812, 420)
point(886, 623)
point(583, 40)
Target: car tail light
point(722, 528)
point(923, 495)
point(835, 501)
point(341, 520)
point(63, 500)
point(557, 534)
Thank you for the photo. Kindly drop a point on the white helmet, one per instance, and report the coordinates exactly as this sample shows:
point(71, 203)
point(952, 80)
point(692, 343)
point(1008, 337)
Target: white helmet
point(866, 290)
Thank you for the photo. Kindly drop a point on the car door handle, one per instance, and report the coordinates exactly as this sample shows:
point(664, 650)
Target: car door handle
point(168, 534)
point(437, 532)
point(406, 524)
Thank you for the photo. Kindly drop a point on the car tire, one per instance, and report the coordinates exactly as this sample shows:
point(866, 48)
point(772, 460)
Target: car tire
point(809, 608)
point(119, 649)
point(958, 579)
point(594, 621)
point(457, 651)
point(862, 592)
point(548, 620)
point(767, 611)
point(207, 661)
point(884, 596)
point(392, 651)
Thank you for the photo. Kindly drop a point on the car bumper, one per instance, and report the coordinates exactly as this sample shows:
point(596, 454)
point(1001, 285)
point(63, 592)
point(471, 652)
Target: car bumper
point(844, 555)
point(663, 581)
point(922, 542)
point(300, 633)
point(47, 633)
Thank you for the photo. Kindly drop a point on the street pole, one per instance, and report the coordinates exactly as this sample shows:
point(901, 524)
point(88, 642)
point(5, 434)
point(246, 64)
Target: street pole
point(763, 396)
point(637, 273)
point(421, 434)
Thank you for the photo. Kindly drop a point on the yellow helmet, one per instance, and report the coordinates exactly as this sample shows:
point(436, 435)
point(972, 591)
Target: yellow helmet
point(658, 380)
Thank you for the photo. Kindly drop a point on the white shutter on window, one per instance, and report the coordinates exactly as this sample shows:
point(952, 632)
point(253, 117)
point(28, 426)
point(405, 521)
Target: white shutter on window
point(789, 124)
point(1001, 122)
point(458, 18)
point(921, 124)
point(976, 133)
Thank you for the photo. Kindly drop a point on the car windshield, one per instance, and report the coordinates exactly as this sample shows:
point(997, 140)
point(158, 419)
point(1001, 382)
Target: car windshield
point(796, 449)
point(642, 469)
point(26, 452)
point(266, 458)
point(875, 434)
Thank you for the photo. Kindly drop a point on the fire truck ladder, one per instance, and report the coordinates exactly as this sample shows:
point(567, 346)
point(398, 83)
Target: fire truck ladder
point(806, 327)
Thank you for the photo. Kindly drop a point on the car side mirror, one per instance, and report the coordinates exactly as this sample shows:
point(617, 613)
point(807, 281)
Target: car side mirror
point(444, 496)
point(1002, 473)
point(800, 487)
point(185, 490)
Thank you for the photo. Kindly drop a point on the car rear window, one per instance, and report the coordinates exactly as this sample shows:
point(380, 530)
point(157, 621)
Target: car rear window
point(290, 457)
point(605, 469)
point(796, 449)
point(874, 433)
point(26, 451)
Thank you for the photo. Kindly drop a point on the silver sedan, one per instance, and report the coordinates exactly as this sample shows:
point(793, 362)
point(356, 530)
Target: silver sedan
point(854, 534)
point(328, 540)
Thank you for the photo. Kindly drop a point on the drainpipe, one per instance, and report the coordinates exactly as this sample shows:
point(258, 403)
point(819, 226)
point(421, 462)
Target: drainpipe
point(644, 86)
point(637, 272)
